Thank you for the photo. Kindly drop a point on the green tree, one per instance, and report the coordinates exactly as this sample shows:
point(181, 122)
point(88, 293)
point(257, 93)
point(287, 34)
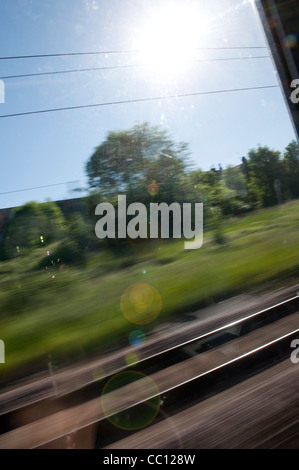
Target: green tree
point(34, 224)
point(236, 181)
point(135, 158)
point(291, 169)
point(265, 170)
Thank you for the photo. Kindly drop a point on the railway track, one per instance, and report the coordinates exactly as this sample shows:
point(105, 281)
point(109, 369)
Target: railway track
point(106, 411)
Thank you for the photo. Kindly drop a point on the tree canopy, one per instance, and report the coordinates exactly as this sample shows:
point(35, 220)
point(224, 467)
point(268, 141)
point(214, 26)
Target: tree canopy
point(137, 157)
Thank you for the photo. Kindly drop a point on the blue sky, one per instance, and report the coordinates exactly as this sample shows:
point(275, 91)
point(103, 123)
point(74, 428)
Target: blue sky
point(45, 149)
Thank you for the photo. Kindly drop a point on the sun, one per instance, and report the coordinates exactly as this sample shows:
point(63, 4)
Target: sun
point(169, 39)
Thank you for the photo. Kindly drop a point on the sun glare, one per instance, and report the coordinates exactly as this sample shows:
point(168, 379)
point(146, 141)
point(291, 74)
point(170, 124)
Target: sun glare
point(169, 39)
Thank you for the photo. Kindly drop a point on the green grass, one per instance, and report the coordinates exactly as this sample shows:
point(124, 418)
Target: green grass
point(77, 312)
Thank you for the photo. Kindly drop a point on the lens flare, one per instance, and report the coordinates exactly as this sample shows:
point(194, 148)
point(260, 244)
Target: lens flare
point(132, 358)
point(153, 188)
point(141, 304)
point(137, 338)
point(98, 373)
point(291, 40)
point(117, 404)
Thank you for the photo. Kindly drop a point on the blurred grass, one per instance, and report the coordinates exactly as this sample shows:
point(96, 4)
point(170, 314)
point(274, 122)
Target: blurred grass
point(72, 311)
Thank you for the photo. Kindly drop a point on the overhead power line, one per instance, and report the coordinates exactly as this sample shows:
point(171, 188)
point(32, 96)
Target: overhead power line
point(91, 69)
point(37, 187)
point(137, 100)
point(134, 51)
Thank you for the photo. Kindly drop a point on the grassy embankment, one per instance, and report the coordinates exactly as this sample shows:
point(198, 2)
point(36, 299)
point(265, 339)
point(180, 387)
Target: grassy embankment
point(78, 310)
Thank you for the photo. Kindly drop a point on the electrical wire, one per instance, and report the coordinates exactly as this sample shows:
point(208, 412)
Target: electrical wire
point(37, 187)
point(137, 100)
point(91, 69)
point(134, 51)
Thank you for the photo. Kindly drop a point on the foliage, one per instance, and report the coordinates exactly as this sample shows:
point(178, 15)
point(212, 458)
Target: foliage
point(265, 176)
point(33, 225)
point(133, 159)
point(291, 170)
